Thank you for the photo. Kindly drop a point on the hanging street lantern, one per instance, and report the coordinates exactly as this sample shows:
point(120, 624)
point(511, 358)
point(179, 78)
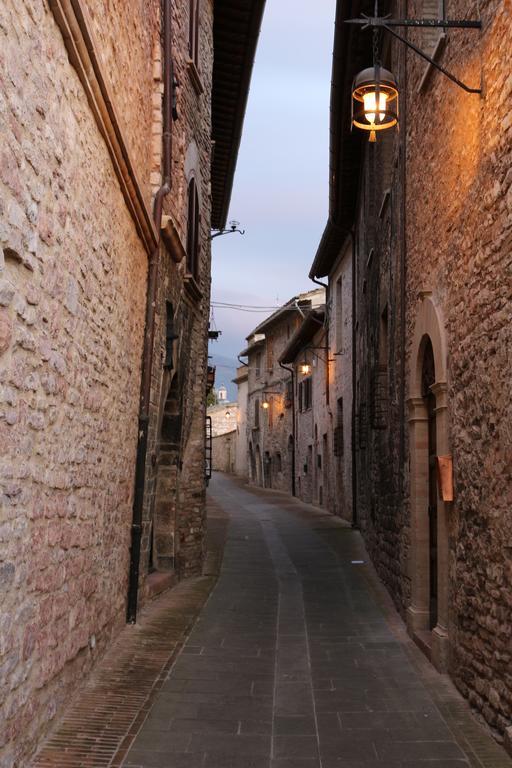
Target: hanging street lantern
point(374, 100)
point(374, 91)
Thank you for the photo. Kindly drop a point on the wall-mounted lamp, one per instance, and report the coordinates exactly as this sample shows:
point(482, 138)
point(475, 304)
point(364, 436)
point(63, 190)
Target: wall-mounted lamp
point(305, 368)
point(265, 405)
point(234, 226)
point(374, 100)
point(375, 92)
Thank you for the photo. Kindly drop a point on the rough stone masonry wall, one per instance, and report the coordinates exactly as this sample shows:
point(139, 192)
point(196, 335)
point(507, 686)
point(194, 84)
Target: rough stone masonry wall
point(191, 148)
point(381, 426)
point(72, 297)
point(459, 246)
point(276, 427)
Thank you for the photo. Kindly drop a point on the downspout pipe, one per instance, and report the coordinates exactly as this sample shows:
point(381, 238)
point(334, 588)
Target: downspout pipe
point(355, 521)
point(149, 332)
point(292, 373)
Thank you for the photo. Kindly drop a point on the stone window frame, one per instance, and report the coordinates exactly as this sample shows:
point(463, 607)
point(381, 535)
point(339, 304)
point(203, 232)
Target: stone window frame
point(193, 224)
point(432, 41)
point(193, 259)
point(194, 40)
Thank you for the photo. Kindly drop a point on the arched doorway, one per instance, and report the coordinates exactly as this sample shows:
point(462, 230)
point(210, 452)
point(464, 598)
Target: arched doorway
point(427, 381)
point(163, 545)
point(427, 615)
point(252, 464)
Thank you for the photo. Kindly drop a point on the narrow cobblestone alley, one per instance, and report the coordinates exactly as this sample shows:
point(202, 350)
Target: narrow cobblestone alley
point(299, 661)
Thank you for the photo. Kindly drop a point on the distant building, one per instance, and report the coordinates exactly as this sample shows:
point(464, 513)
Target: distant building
point(306, 354)
point(222, 394)
point(270, 441)
point(242, 383)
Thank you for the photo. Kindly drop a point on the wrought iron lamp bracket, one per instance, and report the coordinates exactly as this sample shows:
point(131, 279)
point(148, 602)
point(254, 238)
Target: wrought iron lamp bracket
point(387, 23)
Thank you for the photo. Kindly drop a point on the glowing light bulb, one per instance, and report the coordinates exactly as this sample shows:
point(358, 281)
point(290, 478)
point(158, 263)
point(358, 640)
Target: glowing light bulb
point(370, 106)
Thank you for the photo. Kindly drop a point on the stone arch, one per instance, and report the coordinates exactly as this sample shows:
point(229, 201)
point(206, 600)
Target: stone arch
point(193, 169)
point(428, 437)
point(168, 468)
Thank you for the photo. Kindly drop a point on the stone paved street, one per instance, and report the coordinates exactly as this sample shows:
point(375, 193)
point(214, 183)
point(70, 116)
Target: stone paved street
point(298, 661)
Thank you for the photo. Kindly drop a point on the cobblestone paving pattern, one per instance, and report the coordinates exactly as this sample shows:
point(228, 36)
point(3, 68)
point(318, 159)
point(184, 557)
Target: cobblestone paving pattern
point(294, 663)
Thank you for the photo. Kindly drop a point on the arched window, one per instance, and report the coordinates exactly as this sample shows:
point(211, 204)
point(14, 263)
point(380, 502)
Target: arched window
point(193, 230)
point(193, 32)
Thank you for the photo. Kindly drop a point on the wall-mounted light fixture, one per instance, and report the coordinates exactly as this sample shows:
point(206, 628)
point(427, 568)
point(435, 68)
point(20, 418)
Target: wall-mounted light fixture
point(305, 368)
point(375, 92)
point(234, 226)
point(265, 403)
point(374, 100)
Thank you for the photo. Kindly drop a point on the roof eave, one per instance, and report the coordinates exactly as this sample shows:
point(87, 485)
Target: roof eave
point(236, 30)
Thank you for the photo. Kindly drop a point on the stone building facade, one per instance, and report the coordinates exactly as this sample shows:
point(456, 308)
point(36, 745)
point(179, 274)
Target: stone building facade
point(84, 93)
point(242, 385)
point(307, 355)
point(427, 211)
point(270, 401)
point(223, 452)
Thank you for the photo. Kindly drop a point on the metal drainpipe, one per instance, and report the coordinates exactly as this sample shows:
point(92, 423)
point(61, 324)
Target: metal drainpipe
point(403, 263)
point(292, 373)
point(354, 384)
point(149, 333)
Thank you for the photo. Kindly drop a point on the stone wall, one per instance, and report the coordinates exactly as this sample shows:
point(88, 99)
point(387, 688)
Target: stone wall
point(340, 382)
point(174, 506)
point(268, 434)
point(459, 239)
point(72, 298)
point(72, 308)
point(223, 452)
point(455, 259)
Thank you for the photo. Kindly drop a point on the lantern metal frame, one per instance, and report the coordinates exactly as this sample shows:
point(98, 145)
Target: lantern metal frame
point(388, 24)
point(378, 80)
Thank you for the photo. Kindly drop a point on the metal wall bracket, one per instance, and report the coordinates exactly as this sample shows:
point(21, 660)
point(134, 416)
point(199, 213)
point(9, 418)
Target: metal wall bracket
point(387, 23)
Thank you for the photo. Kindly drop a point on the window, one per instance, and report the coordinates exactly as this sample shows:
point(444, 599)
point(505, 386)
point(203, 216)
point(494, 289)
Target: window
point(257, 413)
point(193, 230)
point(270, 412)
point(431, 9)
point(258, 365)
point(305, 394)
point(170, 336)
point(193, 32)
point(338, 431)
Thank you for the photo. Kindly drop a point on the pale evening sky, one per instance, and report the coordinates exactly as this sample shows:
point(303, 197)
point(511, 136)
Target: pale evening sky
point(280, 194)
